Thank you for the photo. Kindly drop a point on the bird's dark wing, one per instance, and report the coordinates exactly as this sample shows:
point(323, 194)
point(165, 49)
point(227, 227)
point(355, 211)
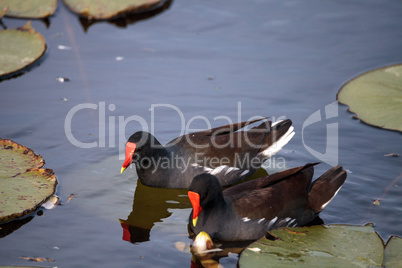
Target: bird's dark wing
point(279, 195)
point(236, 147)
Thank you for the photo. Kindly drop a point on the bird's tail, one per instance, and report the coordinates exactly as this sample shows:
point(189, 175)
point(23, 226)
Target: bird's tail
point(281, 133)
point(324, 189)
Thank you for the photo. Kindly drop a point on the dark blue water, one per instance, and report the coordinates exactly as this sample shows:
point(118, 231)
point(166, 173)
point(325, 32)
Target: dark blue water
point(231, 59)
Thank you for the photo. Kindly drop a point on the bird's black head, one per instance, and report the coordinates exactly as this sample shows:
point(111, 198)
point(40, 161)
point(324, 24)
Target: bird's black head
point(204, 192)
point(139, 144)
point(208, 188)
point(142, 139)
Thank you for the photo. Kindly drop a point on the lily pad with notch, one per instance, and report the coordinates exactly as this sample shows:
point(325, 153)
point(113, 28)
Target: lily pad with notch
point(376, 97)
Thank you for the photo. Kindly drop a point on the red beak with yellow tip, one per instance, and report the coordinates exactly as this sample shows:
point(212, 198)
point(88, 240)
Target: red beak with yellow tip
point(130, 149)
point(195, 201)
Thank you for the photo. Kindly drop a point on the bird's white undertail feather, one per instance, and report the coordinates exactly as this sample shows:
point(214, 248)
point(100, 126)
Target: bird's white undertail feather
point(278, 145)
point(325, 204)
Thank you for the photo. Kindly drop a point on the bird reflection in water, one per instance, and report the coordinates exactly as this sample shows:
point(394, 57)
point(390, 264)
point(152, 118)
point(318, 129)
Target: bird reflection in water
point(151, 205)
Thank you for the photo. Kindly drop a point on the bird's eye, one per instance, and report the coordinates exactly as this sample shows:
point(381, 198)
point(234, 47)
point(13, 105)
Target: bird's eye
point(145, 163)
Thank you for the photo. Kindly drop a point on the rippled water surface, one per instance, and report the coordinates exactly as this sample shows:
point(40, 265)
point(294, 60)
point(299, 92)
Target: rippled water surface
point(197, 58)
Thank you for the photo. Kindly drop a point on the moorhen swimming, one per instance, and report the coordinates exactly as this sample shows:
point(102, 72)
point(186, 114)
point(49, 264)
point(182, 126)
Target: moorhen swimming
point(227, 152)
point(248, 210)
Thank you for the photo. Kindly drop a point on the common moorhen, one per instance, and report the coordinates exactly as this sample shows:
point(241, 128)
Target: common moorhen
point(227, 152)
point(248, 210)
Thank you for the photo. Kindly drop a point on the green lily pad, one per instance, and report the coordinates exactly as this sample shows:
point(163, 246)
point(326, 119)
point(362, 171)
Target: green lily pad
point(392, 253)
point(18, 160)
point(105, 9)
point(22, 267)
point(376, 97)
point(318, 246)
point(32, 9)
point(19, 48)
point(24, 185)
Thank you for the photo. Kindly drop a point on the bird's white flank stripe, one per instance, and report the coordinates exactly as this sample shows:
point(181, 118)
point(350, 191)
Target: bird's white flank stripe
point(218, 170)
point(244, 172)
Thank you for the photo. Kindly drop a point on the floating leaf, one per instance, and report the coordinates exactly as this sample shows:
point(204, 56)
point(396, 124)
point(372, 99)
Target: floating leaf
point(24, 186)
point(32, 9)
point(16, 158)
point(37, 259)
point(376, 97)
point(393, 155)
point(123, 20)
point(392, 253)
point(51, 203)
point(70, 197)
point(105, 9)
point(19, 48)
point(321, 246)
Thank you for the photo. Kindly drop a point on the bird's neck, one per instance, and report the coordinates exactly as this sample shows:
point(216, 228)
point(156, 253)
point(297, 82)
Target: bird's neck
point(218, 202)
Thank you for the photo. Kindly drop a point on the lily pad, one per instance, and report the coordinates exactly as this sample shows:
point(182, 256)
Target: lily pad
point(18, 159)
point(24, 185)
point(20, 48)
point(392, 253)
point(32, 9)
point(376, 97)
point(22, 267)
point(105, 9)
point(321, 246)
